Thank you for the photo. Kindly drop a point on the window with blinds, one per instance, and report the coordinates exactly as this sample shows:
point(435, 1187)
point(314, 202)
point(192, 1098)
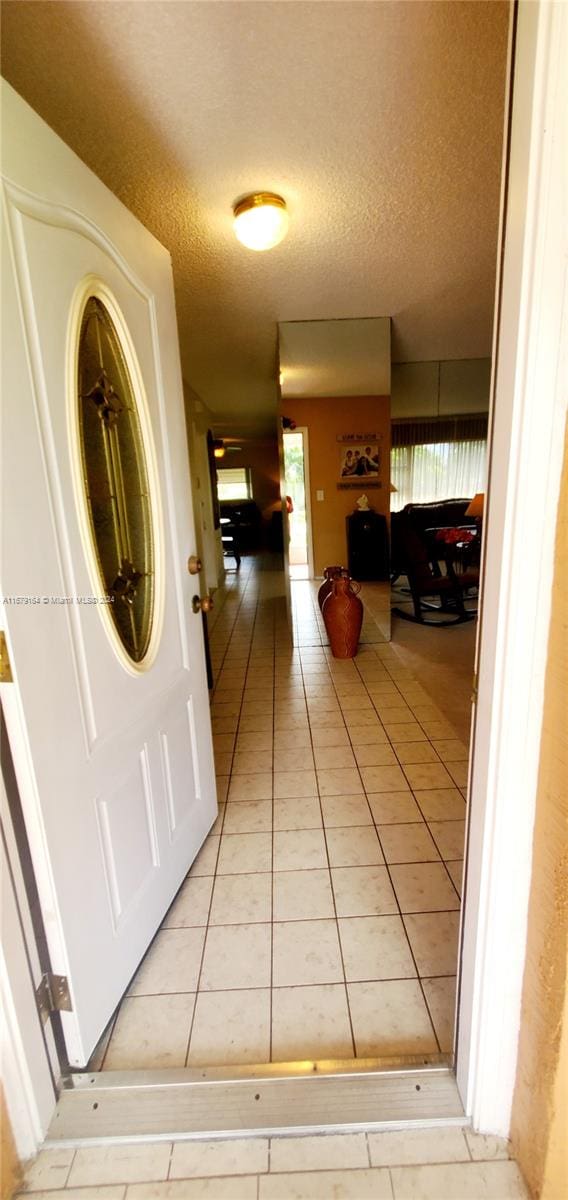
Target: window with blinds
point(234, 483)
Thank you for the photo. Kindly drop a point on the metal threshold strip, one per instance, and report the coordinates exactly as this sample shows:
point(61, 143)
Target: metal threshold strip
point(280, 1098)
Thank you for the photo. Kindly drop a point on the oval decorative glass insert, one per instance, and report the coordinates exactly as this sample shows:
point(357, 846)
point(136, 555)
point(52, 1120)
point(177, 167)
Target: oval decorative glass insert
point(116, 479)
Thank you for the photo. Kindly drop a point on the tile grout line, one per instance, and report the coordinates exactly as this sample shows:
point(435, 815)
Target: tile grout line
point(73, 1157)
point(413, 792)
point(112, 1023)
point(419, 976)
point(332, 890)
point(207, 927)
point(401, 916)
point(290, 986)
point(413, 862)
point(170, 1160)
point(368, 1148)
point(233, 591)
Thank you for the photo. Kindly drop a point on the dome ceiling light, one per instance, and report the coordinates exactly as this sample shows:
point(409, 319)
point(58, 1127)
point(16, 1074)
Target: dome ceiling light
point(260, 220)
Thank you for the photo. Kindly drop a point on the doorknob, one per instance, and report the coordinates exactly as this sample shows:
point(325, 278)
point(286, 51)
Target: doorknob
point(199, 605)
point(194, 564)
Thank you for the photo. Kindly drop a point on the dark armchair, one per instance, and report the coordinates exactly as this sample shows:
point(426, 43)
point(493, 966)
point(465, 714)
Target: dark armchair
point(420, 563)
point(426, 520)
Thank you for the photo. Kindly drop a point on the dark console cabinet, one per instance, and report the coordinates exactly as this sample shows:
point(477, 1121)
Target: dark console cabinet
point(368, 545)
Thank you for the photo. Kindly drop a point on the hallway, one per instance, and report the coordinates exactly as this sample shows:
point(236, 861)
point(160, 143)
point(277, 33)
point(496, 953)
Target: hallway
point(320, 919)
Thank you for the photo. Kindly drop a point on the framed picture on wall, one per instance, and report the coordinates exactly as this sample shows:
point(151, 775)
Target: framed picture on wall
point(359, 460)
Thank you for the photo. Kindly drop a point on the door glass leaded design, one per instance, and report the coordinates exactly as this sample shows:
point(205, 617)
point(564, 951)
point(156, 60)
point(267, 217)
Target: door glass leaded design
point(116, 479)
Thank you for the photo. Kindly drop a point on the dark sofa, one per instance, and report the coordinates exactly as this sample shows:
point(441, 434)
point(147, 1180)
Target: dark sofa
point(246, 523)
point(426, 520)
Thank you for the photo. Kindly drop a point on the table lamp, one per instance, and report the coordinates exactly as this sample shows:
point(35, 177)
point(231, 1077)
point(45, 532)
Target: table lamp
point(475, 506)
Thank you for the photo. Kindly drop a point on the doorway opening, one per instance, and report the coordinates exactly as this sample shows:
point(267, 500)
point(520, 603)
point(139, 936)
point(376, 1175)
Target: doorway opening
point(296, 475)
point(247, 707)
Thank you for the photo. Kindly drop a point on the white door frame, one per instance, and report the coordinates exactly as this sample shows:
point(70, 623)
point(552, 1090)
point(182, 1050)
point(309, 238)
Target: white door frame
point(528, 420)
point(303, 429)
point(27, 1073)
point(528, 424)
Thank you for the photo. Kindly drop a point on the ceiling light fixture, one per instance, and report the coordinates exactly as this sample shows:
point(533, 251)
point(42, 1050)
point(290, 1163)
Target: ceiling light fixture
point(218, 448)
point(261, 220)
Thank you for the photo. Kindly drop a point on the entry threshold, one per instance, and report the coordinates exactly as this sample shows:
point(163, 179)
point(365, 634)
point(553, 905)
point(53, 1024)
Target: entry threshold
point(279, 1098)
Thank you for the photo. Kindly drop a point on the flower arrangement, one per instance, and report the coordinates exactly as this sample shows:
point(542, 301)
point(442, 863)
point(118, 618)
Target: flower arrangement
point(451, 537)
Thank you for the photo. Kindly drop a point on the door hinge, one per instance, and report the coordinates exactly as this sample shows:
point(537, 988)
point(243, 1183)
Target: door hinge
point(52, 995)
point(474, 683)
point(5, 668)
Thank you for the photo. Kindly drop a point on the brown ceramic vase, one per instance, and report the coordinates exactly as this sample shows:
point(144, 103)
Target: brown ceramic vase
point(343, 617)
point(329, 574)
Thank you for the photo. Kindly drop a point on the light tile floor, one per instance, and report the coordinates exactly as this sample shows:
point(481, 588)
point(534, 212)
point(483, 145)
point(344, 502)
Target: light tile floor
point(446, 1163)
point(320, 919)
point(443, 660)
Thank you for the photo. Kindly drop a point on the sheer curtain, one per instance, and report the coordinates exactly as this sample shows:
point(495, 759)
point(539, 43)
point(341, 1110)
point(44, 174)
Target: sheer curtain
point(437, 471)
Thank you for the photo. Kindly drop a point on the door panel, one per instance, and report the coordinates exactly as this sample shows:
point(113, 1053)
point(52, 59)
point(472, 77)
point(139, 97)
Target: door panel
point(114, 757)
point(81, 261)
point(129, 843)
point(181, 777)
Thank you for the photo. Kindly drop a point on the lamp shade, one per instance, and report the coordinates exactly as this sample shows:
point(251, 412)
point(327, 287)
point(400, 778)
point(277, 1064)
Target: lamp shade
point(261, 220)
point(475, 506)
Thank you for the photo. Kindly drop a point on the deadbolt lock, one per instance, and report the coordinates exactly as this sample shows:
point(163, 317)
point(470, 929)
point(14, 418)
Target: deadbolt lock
point(194, 564)
point(199, 605)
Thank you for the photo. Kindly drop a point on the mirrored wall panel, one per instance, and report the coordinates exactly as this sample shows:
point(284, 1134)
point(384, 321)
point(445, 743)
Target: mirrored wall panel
point(335, 406)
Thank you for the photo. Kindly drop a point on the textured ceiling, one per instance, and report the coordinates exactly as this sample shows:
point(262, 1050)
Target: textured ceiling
point(380, 123)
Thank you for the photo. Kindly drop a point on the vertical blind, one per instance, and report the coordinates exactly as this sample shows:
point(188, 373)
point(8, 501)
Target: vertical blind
point(437, 471)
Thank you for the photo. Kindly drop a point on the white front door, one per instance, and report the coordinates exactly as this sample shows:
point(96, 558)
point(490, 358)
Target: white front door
point(108, 714)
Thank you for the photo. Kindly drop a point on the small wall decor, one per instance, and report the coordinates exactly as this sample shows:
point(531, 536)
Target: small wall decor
point(348, 484)
point(359, 458)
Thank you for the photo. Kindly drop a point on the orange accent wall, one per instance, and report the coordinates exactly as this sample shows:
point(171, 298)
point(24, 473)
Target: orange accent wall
point(10, 1170)
point(540, 1108)
point(326, 419)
